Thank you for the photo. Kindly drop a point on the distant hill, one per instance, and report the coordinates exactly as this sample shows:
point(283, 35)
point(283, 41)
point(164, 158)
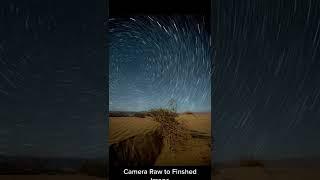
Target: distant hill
point(127, 114)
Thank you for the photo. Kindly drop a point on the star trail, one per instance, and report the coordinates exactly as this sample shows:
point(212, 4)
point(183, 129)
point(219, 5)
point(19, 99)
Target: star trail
point(265, 84)
point(266, 79)
point(157, 58)
point(52, 73)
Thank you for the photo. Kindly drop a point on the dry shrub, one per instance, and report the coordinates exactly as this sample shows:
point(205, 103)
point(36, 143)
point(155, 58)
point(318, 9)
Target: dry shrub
point(174, 133)
point(162, 115)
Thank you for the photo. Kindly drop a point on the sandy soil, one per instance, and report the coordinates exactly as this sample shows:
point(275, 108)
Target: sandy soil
point(48, 177)
point(261, 173)
point(138, 139)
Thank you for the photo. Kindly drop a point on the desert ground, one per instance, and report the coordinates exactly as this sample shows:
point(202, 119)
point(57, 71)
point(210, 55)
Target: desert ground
point(135, 140)
point(49, 177)
point(263, 173)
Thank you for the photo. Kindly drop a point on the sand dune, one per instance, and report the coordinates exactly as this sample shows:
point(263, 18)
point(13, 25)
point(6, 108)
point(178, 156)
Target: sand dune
point(198, 122)
point(123, 128)
point(134, 141)
point(140, 141)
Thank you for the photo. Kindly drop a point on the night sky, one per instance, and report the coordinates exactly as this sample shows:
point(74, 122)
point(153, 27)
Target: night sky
point(157, 58)
point(266, 98)
point(265, 88)
point(53, 79)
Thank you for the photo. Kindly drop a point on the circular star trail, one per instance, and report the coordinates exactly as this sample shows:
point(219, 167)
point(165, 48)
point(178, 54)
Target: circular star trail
point(155, 59)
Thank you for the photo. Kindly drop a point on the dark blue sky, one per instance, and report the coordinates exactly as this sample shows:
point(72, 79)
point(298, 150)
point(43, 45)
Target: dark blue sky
point(157, 58)
point(266, 80)
point(52, 79)
point(266, 98)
